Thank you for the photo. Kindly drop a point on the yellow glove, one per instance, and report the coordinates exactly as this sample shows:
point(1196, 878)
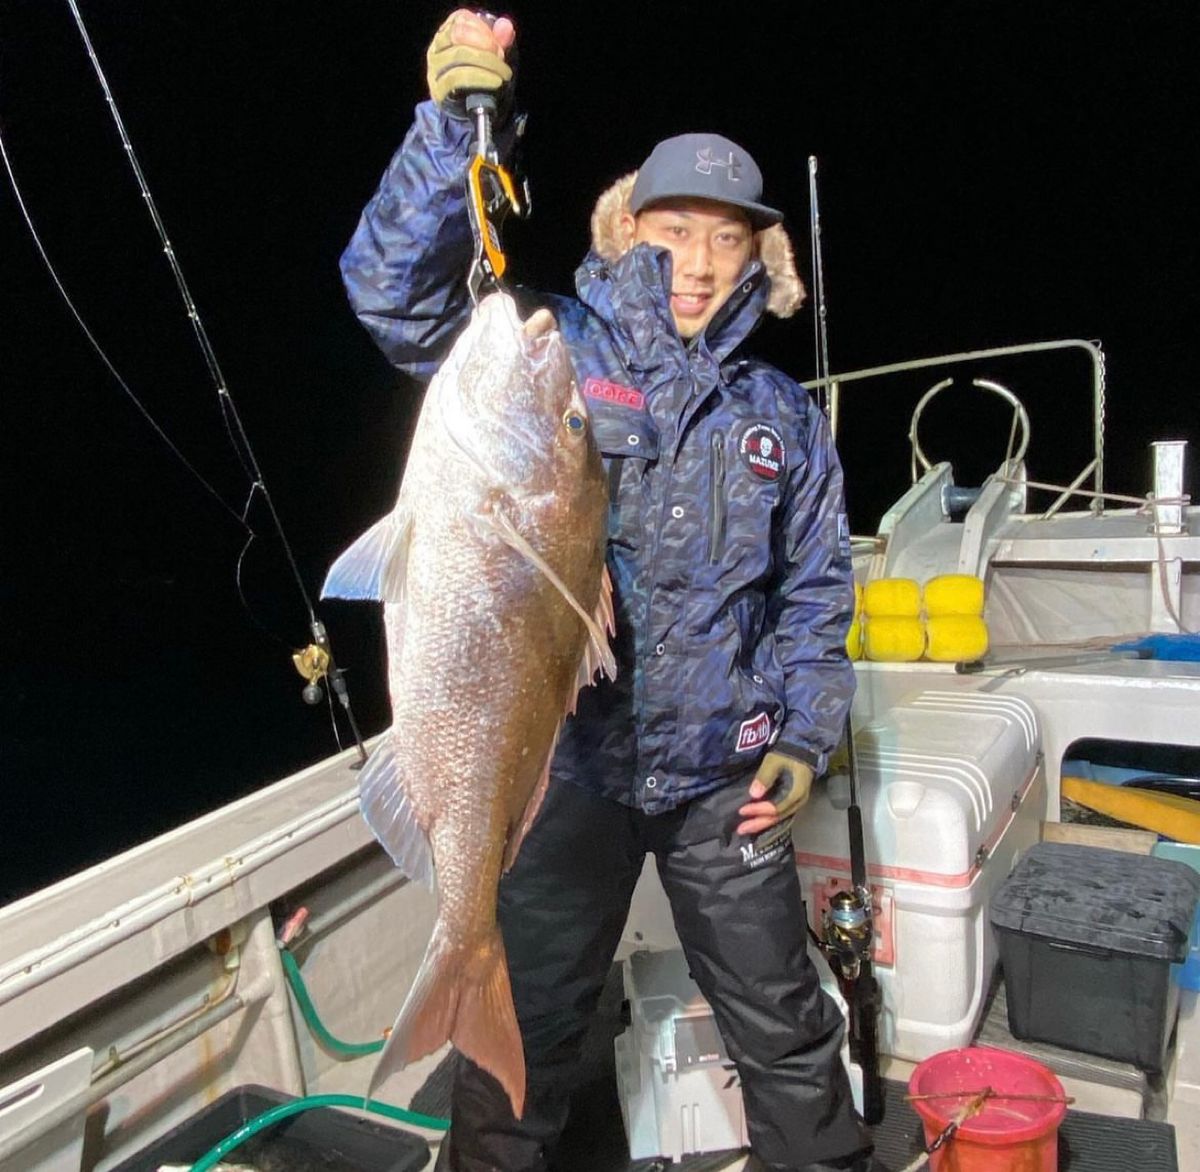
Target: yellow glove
point(787, 780)
point(466, 55)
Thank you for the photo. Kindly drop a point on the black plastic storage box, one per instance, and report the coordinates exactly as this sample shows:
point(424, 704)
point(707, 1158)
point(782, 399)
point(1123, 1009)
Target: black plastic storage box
point(323, 1139)
point(1087, 939)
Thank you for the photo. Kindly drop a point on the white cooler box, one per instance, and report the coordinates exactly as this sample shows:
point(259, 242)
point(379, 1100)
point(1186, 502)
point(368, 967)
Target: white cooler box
point(679, 1091)
point(952, 792)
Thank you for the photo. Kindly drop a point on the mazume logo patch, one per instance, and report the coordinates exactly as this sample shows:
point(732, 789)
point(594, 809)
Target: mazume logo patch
point(768, 846)
point(762, 449)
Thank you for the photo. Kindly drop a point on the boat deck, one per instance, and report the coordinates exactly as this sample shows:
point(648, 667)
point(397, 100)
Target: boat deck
point(594, 1140)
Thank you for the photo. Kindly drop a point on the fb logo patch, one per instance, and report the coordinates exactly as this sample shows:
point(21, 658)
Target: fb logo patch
point(753, 733)
point(762, 448)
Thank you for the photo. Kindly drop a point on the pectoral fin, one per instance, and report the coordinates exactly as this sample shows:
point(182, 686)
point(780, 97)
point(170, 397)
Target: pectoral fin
point(499, 523)
point(595, 658)
point(598, 657)
point(373, 567)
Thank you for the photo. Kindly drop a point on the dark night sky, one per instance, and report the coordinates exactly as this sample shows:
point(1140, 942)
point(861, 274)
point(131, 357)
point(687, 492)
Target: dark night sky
point(991, 173)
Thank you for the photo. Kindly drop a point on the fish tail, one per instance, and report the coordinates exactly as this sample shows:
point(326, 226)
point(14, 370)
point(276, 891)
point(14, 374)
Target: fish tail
point(464, 1000)
point(486, 1028)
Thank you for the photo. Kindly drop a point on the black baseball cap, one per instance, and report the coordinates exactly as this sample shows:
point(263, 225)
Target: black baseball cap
point(703, 166)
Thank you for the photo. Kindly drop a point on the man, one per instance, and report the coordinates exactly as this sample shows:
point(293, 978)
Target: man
point(733, 591)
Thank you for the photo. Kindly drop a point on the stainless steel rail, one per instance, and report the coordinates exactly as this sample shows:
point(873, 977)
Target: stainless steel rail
point(834, 384)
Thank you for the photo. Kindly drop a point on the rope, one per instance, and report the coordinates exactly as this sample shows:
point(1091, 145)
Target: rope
point(1146, 502)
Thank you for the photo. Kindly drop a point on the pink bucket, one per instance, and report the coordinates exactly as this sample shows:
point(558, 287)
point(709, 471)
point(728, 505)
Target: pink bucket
point(1007, 1134)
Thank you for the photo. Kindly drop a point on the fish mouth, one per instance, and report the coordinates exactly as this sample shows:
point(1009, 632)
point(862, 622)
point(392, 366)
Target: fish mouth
point(538, 326)
point(541, 340)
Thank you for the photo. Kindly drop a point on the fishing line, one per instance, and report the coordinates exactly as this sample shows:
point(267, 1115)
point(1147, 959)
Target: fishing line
point(87, 333)
point(241, 518)
point(320, 650)
point(233, 422)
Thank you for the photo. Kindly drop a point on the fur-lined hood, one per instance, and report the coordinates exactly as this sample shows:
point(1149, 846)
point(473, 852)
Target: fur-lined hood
point(611, 241)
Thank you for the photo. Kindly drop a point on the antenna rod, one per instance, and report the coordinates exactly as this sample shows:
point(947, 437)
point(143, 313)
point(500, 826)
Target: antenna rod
point(821, 338)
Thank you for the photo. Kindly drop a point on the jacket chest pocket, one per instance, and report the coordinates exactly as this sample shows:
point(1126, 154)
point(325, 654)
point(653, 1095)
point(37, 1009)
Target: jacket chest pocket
point(741, 505)
point(627, 440)
point(717, 510)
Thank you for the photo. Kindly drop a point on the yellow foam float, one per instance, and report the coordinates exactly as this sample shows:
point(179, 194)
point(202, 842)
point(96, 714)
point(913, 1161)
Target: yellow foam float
point(953, 594)
point(892, 598)
point(893, 640)
point(951, 638)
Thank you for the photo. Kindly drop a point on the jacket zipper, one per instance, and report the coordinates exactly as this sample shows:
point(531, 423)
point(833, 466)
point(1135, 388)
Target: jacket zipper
point(716, 500)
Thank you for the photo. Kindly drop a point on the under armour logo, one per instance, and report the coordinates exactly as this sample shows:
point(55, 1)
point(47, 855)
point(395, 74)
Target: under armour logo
point(705, 163)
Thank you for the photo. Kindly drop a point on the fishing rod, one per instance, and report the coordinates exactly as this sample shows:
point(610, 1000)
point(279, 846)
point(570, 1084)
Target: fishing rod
point(314, 662)
point(849, 930)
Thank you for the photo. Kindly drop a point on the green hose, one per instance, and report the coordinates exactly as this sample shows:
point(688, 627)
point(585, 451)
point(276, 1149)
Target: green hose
point(351, 1049)
point(309, 1012)
point(253, 1126)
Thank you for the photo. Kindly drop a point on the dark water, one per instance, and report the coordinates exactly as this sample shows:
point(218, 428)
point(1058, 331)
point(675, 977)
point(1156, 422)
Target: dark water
point(991, 173)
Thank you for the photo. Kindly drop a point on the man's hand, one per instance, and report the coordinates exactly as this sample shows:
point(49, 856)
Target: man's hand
point(788, 783)
point(467, 56)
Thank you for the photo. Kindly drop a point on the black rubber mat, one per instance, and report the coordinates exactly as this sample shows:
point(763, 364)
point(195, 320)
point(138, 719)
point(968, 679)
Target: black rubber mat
point(594, 1140)
point(595, 1137)
point(1100, 1143)
point(900, 1138)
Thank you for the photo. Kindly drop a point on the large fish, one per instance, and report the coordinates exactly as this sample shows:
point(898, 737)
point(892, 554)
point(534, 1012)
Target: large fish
point(497, 609)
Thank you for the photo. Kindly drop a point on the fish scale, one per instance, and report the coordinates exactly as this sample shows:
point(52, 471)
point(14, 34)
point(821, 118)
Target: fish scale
point(497, 608)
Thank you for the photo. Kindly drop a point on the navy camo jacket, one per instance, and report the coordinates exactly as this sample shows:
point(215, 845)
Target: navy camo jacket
point(727, 542)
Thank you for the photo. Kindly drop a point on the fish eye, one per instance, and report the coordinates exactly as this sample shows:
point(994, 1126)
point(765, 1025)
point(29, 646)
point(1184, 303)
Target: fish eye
point(574, 422)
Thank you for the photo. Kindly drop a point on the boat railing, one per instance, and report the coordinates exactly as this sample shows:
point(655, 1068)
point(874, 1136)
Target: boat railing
point(1095, 468)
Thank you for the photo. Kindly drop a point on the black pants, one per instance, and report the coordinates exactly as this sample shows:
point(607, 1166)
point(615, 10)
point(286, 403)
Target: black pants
point(741, 922)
